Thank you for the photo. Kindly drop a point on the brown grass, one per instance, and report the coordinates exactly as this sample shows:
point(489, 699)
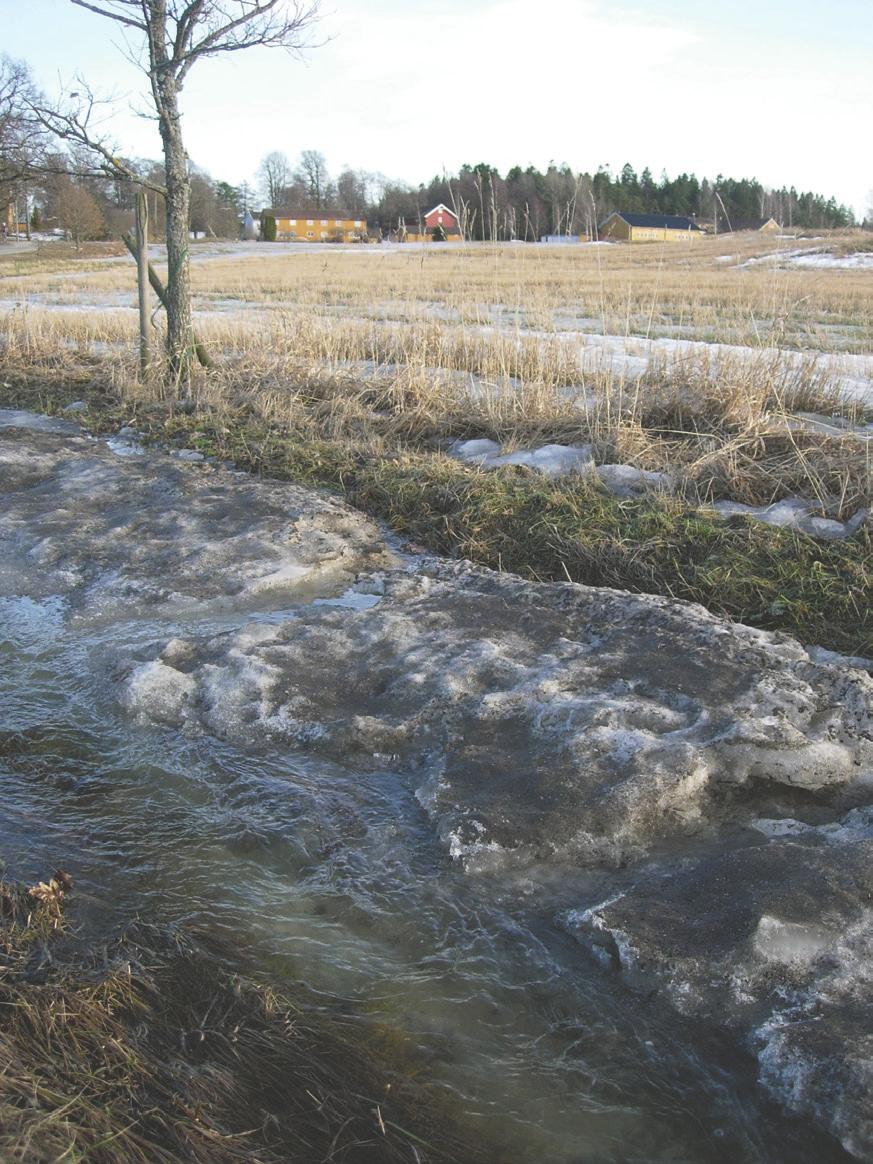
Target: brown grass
point(143, 1049)
point(721, 426)
point(699, 292)
point(380, 359)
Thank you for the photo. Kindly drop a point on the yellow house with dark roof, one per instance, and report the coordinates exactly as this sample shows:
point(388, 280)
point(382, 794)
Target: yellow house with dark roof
point(626, 227)
point(315, 226)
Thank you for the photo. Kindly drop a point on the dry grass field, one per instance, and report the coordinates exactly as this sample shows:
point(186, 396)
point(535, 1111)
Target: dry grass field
point(737, 369)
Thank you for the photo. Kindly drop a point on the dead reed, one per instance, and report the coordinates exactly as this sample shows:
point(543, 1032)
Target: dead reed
point(144, 1049)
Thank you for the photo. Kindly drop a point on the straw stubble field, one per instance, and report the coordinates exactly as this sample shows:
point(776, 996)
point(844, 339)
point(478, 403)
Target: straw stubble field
point(737, 369)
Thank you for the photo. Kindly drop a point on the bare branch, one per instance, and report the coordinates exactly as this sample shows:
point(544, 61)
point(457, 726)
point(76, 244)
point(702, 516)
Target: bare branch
point(112, 11)
point(21, 139)
point(177, 33)
point(258, 22)
point(185, 26)
point(74, 125)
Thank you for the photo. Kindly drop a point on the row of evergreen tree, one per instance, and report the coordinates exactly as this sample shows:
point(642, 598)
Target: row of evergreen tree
point(528, 203)
point(524, 204)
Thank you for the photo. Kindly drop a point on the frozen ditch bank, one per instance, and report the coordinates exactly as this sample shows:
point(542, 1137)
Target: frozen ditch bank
point(629, 481)
point(120, 532)
point(539, 724)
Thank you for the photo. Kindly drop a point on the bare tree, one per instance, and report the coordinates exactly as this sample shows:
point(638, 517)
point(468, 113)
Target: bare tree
point(352, 191)
point(169, 37)
point(22, 140)
point(312, 172)
point(78, 212)
point(274, 175)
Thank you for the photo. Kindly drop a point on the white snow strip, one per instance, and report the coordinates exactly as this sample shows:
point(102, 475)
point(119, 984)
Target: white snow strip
point(795, 513)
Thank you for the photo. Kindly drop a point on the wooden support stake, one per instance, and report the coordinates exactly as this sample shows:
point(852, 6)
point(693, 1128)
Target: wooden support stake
point(160, 290)
point(142, 282)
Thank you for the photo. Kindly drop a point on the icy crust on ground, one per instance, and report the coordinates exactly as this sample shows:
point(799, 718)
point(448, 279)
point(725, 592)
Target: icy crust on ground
point(149, 530)
point(630, 481)
point(544, 719)
point(564, 724)
point(775, 940)
point(558, 461)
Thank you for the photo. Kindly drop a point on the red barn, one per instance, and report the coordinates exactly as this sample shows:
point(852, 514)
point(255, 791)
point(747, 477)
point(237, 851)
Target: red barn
point(441, 216)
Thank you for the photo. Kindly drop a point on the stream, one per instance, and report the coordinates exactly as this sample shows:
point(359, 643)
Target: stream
point(310, 862)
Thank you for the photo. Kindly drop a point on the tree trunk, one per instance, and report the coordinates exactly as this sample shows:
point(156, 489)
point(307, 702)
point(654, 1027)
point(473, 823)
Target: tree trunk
point(178, 282)
point(165, 88)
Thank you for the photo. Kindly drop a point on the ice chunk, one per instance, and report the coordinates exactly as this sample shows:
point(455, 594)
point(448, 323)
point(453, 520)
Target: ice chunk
point(628, 480)
point(779, 941)
point(474, 451)
point(553, 460)
point(795, 513)
point(158, 692)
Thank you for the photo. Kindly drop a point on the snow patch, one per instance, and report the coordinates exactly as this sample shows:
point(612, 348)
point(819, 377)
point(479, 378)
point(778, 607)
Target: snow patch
point(795, 513)
point(826, 260)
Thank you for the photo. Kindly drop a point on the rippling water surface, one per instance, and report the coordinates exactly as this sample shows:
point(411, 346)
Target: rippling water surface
point(312, 871)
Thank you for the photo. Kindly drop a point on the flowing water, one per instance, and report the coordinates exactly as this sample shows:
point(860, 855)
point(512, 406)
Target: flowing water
point(315, 872)
point(311, 870)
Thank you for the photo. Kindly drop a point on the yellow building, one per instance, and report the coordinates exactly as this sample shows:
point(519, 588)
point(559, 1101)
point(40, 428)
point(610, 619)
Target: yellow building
point(762, 225)
point(648, 227)
point(9, 223)
point(321, 226)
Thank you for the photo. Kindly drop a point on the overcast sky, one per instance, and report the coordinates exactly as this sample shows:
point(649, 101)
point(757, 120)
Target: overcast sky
point(781, 90)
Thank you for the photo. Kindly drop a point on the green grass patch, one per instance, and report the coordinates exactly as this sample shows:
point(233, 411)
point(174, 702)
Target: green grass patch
point(572, 529)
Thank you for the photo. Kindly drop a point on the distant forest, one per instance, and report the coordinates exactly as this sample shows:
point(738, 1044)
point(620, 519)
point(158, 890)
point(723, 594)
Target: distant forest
point(522, 204)
point(43, 184)
point(528, 203)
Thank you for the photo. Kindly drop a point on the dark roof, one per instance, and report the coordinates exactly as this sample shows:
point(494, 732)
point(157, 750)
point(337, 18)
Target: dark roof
point(315, 215)
point(664, 221)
